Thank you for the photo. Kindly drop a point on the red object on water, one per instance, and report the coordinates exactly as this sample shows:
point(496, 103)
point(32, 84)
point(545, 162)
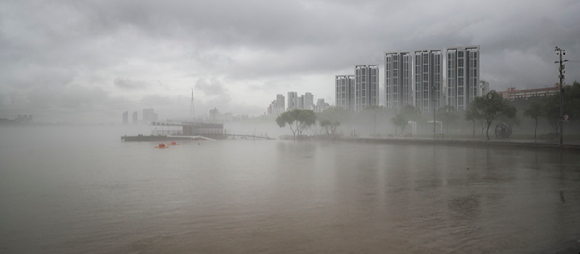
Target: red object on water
point(173, 143)
point(161, 145)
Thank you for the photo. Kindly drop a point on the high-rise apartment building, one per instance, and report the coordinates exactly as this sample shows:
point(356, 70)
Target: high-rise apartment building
point(280, 103)
point(344, 85)
point(149, 115)
point(292, 100)
point(320, 105)
point(398, 80)
point(483, 88)
point(308, 101)
point(416, 78)
point(135, 117)
point(427, 80)
point(277, 106)
point(462, 76)
point(366, 86)
point(125, 117)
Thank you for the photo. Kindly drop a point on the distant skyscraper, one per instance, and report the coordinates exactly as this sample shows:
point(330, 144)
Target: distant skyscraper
point(125, 117)
point(428, 80)
point(398, 80)
point(366, 86)
point(483, 88)
point(344, 88)
point(149, 115)
point(135, 117)
point(280, 104)
point(277, 106)
point(301, 102)
point(308, 101)
point(321, 105)
point(214, 115)
point(292, 100)
point(462, 76)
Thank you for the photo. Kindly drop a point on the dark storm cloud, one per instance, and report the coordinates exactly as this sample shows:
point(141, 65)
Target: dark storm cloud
point(228, 48)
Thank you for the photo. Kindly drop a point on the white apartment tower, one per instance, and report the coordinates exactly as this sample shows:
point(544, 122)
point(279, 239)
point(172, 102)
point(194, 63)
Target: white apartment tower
point(280, 103)
point(462, 76)
point(366, 86)
point(301, 102)
point(427, 80)
point(308, 101)
point(398, 77)
point(292, 100)
point(344, 85)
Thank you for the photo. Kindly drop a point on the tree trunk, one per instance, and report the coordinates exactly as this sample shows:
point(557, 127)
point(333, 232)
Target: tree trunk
point(535, 130)
point(487, 131)
point(473, 129)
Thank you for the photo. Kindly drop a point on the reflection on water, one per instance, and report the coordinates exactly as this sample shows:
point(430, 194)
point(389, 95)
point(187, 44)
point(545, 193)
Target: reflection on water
point(64, 192)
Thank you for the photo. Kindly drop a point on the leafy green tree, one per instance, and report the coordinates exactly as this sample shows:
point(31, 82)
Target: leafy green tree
point(411, 112)
point(535, 111)
point(335, 114)
point(571, 104)
point(493, 105)
point(298, 120)
point(400, 122)
point(447, 114)
point(472, 114)
point(329, 127)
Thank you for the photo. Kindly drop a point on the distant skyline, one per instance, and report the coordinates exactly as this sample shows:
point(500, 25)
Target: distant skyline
point(90, 61)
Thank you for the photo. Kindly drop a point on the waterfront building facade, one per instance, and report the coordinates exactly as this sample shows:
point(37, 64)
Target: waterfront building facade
point(126, 117)
point(462, 76)
point(398, 77)
point(427, 80)
point(366, 86)
point(344, 87)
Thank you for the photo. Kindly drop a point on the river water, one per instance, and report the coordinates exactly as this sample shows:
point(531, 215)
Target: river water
point(82, 190)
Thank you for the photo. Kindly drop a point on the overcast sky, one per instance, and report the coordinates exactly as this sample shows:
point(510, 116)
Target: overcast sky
point(89, 61)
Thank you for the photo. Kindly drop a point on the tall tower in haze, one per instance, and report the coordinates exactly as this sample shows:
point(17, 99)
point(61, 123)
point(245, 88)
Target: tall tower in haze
point(462, 76)
point(192, 108)
point(366, 86)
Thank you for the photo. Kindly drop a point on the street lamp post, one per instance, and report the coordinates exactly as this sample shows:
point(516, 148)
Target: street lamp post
point(375, 125)
point(434, 114)
point(561, 52)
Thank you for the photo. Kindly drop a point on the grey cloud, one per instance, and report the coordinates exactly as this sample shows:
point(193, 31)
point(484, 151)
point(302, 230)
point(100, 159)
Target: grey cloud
point(268, 44)
point(211, 88)
point(130, 84)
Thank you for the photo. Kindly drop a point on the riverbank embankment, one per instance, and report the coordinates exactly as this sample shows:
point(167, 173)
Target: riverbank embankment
point(460, 142)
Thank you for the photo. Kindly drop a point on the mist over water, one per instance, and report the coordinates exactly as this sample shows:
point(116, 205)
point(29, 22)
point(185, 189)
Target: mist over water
point(82, 190)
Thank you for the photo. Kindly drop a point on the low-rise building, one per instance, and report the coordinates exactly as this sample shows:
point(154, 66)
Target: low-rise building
point(512, 94)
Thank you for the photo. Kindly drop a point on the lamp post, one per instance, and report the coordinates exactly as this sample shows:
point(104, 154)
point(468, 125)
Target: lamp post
point(561, 52)
point(434, 113)
point(375, 125)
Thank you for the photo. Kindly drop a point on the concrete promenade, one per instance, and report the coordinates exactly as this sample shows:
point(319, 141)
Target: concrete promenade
point(467, 142)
